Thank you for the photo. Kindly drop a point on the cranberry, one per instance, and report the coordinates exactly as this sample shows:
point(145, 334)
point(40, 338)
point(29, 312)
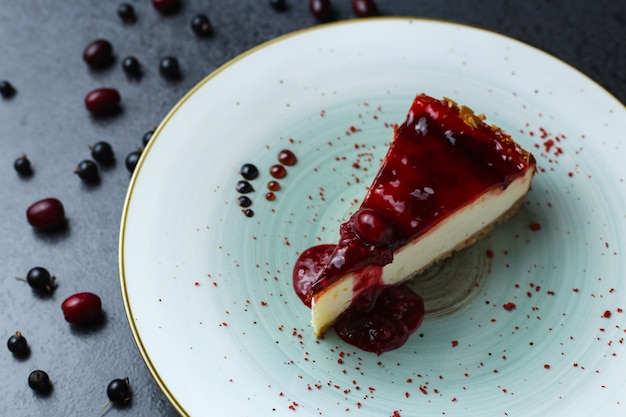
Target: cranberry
point(201, 25)
point(126, 12)
point(39, 381)
point(249, 171)
point(286, 157)
point(82, 308)
point(6, 89)
point(372, 227)
point(320, 9)
point(88, 171)
point(22, 166)
point(102, 100)
point(18, 345)
point(98, 54)
point(169, 68)
point(102, 152)
point(166, 6)
point(364, 8)
point(278, 171)
point(46, 214)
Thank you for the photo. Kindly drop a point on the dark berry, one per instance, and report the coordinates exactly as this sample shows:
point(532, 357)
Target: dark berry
point(18, 345)
point(82, 308)
point(320, 9)
point(88, 171)
point(364, 8)
point(372, 227)
point(39, 381)
point(278, 171)
point(201, 25)
point(166, 6)
point(6, 89)
point(48, 213)
point(40, 279)
point(126, 12)
point(244, 201)
point(169, 68)
point(244, 187)
point(98, 54)
point(102, 152)
point(278, 5)
point(147, 136)
point(102, 100)
point(119, 392)
point(131, 66)
point(249, 171)
point(22, 166)
point(286, 157)
point(131, 160)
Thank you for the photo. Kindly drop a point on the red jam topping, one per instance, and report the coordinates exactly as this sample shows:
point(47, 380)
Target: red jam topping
point(424, 179)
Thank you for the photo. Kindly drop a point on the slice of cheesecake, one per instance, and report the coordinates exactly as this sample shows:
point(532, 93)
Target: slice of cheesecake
point(446, 179)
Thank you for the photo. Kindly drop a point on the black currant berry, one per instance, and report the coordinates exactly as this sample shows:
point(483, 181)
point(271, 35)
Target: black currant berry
point(40, 279)
point(39, 381)
point(169, 68)
point(131, 160)
point(201, 25)
point(6, 89)
point(131, 66)
point(102, 152)
point(147, 136)
point(278, 5)
point(22, 166)
point(249, 171)
point(244, 187)
point(87, 171)
point(126, 12)
point(119, 392)
point(18, 345)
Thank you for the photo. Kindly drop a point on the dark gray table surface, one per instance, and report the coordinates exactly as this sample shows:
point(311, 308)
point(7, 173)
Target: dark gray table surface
point(41, 44)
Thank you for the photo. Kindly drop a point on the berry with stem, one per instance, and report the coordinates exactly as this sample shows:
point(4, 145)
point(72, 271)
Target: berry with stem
point(23, 166)
point(39, 381)
point(88, 171)
point(18, 345)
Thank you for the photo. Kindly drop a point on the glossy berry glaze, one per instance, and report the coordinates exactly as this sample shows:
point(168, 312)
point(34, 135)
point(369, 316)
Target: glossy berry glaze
point(442, 158)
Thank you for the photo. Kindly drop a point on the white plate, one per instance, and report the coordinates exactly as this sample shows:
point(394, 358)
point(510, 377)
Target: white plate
point(208, 290)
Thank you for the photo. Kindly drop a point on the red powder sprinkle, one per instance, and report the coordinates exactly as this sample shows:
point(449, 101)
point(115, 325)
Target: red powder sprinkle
point(423, 389)
point(535, 227)
point(489, 254)
point(546, 366)
point(606, 314)
point(509, 306)
point(396, 413)
point(455, 343)
point(197, 284)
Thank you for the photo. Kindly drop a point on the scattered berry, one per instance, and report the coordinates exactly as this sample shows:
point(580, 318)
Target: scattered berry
point(82, 308)
point(126, 12)
point(166, 6)
point(6, 89)
point(102, 152)
point(372, 227)
point(320, 9)
point(39, 381)
point(18, 345)
point(249, 171)
point(102, 100)
point(169, 68)
point(48, 213)
point(40, 279)
point(87, 171)
point(364, 8)
point(131, 66)
point(147, 136)
point(201, 25)
point(131, 160)
point(278, 5)
point(22, 166)
point(119, 392)
point(98, 54)
point(244, 187)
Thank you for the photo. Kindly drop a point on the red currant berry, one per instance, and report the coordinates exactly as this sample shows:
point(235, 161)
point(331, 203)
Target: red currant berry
point(46, 214)
point(372, 227)
point(98, 54)
point(82, 308)
point(103, 100)
point(364, 8)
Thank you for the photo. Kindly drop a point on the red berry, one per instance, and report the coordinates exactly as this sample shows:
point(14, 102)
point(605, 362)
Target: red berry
point(166, 6)
point(102, 100)
point(320, 9)
point(372, 227)
point(364, 8)
point(82, 308)
point(46, 214)
point(98, 53)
